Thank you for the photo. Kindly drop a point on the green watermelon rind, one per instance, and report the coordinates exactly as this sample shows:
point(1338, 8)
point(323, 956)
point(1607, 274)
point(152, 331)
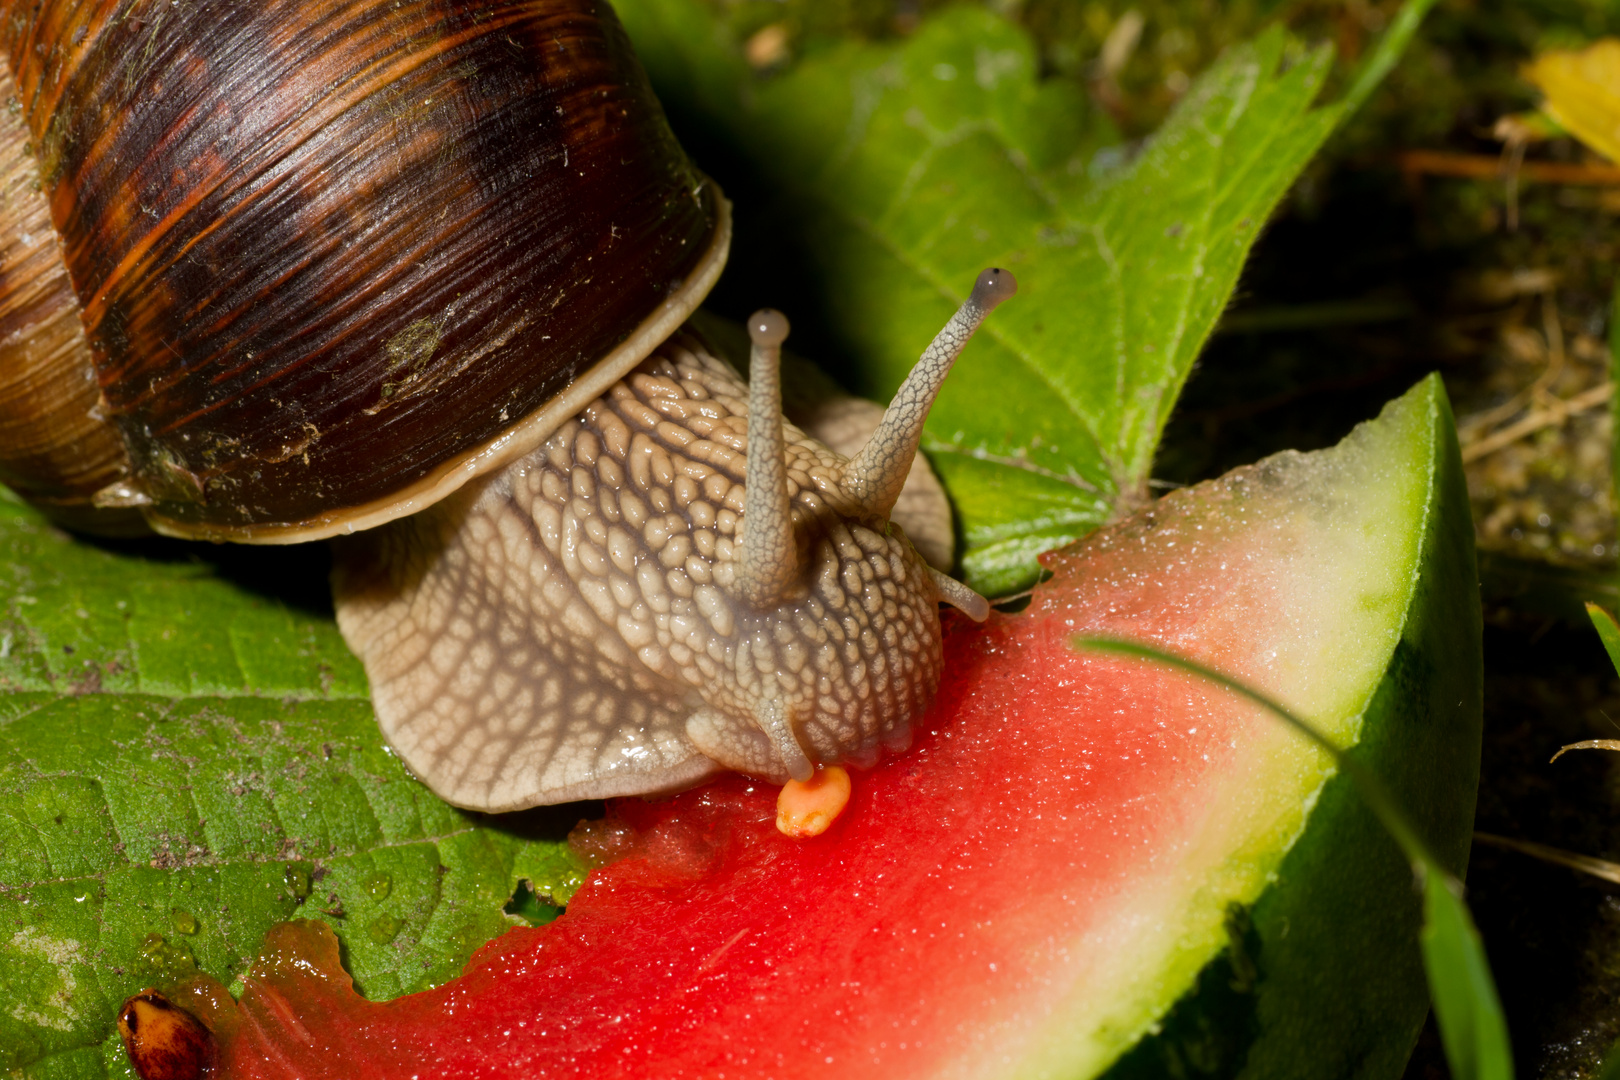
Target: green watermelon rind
point(1322, 975)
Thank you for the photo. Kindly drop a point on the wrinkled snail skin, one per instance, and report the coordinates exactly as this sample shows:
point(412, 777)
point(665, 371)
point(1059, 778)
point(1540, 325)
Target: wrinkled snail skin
point(677, 582)
point(280, 270)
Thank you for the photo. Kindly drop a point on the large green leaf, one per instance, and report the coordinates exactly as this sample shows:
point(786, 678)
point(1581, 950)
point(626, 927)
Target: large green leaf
point(901, 171)
point(186, 752)
point(184, 762)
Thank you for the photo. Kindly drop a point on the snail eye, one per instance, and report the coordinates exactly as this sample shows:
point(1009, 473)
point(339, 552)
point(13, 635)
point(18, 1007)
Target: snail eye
point(992, 287)
point(768, 327)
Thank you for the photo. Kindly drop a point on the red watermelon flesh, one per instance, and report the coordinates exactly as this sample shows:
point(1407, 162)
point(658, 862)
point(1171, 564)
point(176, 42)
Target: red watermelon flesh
point(1027, 890)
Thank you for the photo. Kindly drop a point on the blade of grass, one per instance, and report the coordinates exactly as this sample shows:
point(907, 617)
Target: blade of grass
point(1372, 790)
point(1588, 744)
point(1608, 632)
point(1466, 1005)
point(1390, 49)
point(1611, 1064)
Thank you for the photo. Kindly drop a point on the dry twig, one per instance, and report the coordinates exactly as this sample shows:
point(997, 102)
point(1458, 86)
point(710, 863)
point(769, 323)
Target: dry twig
point(1484, 166)
point(1586, 864)
point(1554, 413)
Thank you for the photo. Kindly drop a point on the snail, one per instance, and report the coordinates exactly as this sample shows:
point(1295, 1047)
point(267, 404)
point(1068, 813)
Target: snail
point(414, 274)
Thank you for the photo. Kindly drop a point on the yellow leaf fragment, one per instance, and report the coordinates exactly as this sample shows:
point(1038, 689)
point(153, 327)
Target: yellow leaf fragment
point(1582, 89)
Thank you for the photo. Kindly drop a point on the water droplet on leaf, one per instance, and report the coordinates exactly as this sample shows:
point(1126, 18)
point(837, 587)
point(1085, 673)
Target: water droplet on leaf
point(168, 961)
point(297, 881)
point(384, 928)
point(379, 885)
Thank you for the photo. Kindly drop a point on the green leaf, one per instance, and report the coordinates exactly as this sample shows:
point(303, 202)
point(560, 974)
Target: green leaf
point(900, 171)
point(1466, 1005)
point(1611, 1064)
point(1608, 632)
point(185, 762)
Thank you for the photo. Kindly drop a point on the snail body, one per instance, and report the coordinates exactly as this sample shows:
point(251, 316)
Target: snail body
point(291, 270)
point(677, 582)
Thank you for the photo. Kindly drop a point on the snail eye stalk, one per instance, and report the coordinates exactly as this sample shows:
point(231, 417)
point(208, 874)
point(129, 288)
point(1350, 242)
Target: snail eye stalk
point(874, 477)
point(769, 565)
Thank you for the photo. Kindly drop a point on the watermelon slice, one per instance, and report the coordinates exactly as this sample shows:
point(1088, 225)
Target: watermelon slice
point(1085, 865)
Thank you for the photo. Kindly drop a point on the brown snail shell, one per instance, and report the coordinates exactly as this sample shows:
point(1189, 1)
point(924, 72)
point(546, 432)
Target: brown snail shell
point(283, 270)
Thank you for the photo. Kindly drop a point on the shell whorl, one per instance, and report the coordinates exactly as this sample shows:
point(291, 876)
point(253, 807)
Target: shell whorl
point(678, 581)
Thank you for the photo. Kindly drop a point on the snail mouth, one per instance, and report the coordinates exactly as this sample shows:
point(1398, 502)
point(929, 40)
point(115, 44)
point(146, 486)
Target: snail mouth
point(778, 727)
point(768, 747)
point(518, 439)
